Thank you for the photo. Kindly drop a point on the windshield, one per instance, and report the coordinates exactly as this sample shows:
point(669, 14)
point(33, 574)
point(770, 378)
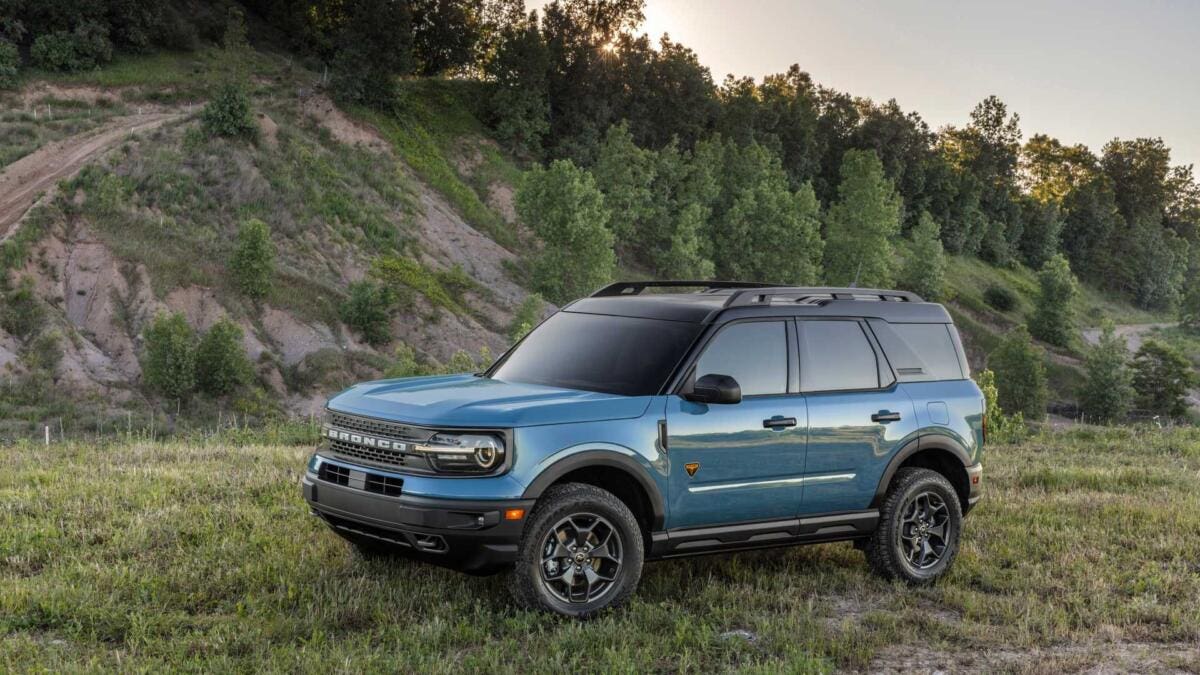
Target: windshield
point(593, 352)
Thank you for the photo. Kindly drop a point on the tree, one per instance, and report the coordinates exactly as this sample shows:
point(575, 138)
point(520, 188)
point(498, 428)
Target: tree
point(253, 261)
point(519, 107)
point(373, 46)
point(925, 270)
point(1041, 235)
point(228, 113)
point(625, 174)
point(1162, 376)
point(84, 48)
point(1189, 307)
point(368, 309)
point(10, 60)
point(563, 207)
point(1053, 319)
point(1107, 391)
point(221, 363)
point(1020, 374)
point(861, 223)
point(169, 362)
point(772, 234)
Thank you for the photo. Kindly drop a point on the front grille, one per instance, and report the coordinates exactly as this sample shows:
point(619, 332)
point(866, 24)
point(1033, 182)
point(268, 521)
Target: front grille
point(371, 482)
point(384, 485)
point(373, 427)
point(333, 473)
point(377, 455)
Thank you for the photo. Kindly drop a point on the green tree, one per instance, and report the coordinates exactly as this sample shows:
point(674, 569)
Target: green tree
point(10, 61)
point(84, 48)
point(861, 223)
point(527, 316)
point(1162, 376)
point(373, 47)
point(228, 113)
point(519, 106)
point(221, 363)
point(625, 174)
point(169, 362)
point(683, 255)
point(368, 310)
point(1189, 307)
point(1020, 374)
point(253, 261)
point(1053, 320)
point(563, 207)
point(924, 272)
point(773, 234)
point(1107, 391)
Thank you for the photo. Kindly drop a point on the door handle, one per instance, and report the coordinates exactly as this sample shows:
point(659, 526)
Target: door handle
point(778, 422)
point(885, 416)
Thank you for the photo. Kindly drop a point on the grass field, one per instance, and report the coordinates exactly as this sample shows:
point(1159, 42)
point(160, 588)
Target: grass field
point(200, 556)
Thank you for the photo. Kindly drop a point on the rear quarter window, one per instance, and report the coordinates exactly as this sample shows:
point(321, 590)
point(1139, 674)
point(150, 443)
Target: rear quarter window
point(920, 352)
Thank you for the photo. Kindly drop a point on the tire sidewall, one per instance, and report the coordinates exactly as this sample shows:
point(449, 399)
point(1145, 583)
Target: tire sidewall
point(926, 481)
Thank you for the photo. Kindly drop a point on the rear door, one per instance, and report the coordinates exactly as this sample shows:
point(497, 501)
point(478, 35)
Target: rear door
point(745, 461)
point(857, 414)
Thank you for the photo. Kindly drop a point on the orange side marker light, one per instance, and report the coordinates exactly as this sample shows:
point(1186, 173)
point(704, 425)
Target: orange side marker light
point(514, 514)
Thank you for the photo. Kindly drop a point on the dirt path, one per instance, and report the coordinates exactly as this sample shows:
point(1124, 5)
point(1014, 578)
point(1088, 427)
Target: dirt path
point(1134, 333)
point(36, 174)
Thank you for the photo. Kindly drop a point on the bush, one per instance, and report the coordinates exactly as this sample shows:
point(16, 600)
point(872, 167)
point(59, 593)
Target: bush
point(1001, 428)
point(1020, 375)
point(1162, 378)
point(924, 272)
point(1108, 388)
point(21, 314)
point(1053, 321)
point(84, 48)
point(10, 60)
point(228, 114)
point(221, 363)
point(528, 315)
point(169, 363)
point(253, 260)
point(1000, 298)
point(368, 310)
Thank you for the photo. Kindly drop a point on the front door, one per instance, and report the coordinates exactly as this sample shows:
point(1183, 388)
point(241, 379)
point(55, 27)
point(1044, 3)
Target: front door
point(744, 461)
point(858, 415)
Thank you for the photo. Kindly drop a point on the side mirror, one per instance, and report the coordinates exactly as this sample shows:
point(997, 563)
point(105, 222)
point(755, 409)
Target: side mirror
point(715, 389)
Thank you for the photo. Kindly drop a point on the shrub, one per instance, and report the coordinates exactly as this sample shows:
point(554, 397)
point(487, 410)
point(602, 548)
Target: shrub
point(221, 363)
point(528, 315)
point(82, 49)
point(1001, 428)
point(21, 314)
point(1020, 375)
point(1053, 321)
point(169, 363)
point(10, 60)
point(1001, 298)
point(253, 260)
point(1162, 378)
point(1108, 388)
point(368, 310)
point(228, 114)
point(924, 272)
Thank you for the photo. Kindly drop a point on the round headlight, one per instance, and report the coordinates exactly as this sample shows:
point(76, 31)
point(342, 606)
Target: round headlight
point(486, 456)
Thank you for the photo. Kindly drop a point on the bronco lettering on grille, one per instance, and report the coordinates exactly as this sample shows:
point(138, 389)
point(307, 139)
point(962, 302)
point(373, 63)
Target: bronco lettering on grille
point(367, 441)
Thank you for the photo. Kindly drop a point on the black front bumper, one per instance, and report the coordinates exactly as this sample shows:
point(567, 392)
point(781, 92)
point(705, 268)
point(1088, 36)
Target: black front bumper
point(469, 536)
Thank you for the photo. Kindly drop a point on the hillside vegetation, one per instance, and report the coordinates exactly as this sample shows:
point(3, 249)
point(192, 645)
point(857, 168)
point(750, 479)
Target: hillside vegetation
point(424, 168)
point(199, 555)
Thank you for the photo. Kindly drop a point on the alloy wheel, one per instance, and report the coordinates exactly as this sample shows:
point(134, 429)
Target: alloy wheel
point(925, 530)
point(581, 557)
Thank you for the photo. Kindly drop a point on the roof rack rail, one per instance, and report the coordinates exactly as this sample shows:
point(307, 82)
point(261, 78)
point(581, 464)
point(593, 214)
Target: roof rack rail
point(636, 287)
point(752, 296)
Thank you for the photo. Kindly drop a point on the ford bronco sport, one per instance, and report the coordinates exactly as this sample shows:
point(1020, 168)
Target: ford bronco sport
point(635, 425)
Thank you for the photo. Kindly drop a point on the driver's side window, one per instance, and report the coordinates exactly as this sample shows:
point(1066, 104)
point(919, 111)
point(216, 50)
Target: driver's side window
point(754, 353)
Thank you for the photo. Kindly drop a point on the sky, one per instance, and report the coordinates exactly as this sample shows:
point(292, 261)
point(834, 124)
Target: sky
point(1084, 72)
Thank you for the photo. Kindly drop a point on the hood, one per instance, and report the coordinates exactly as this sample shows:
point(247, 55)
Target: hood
point(472, 401)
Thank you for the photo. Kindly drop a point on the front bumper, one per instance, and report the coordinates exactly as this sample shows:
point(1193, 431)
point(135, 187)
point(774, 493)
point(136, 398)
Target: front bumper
point(975, 480)
point(467, 535)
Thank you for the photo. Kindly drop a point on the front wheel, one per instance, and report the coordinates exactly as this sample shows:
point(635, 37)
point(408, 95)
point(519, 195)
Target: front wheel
point(581, 553)
point(920, 522)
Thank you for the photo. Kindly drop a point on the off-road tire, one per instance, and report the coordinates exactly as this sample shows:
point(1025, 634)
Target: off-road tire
point(526, 583)
point(884, 550)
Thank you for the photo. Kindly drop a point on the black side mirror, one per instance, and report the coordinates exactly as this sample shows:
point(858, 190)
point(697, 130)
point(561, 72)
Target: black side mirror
point(715, 389)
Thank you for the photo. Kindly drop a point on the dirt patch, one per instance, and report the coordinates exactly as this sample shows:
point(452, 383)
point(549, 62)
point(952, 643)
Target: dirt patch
point(268, 130)
point(501, 198)
point(1094, 658)
point(1134, 333)
point(35, 175)
point(344, 129)
point(36, 94)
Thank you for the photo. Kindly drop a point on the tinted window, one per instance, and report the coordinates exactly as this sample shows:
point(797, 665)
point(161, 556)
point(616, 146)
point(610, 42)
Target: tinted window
point(919, 351)
point(611, 354)
point(753, 353)
point(836, 355)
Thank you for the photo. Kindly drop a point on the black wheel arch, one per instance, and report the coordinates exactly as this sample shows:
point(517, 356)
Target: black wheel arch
point(939, 453)
point(606, 463)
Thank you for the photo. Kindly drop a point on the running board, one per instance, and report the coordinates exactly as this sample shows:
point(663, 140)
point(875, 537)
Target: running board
point(763, 534)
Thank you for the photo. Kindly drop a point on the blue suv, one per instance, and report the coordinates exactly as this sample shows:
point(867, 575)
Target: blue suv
point(662, 419)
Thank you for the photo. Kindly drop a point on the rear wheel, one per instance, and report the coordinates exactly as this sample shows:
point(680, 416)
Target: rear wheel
point(581, 553)
point(919, 526)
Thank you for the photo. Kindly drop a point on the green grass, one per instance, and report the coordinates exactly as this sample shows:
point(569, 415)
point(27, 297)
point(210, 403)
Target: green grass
point(23, 132)
point(200, 556)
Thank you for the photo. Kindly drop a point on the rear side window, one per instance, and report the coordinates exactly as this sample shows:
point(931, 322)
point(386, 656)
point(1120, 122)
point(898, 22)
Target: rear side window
point(835, 356)
point(753, 353)
point(919, 352)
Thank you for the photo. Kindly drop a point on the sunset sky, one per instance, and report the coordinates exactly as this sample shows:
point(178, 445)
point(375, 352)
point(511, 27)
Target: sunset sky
point(1081, 71)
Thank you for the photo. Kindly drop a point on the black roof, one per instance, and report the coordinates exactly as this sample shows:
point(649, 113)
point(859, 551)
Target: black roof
point(710, 300)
